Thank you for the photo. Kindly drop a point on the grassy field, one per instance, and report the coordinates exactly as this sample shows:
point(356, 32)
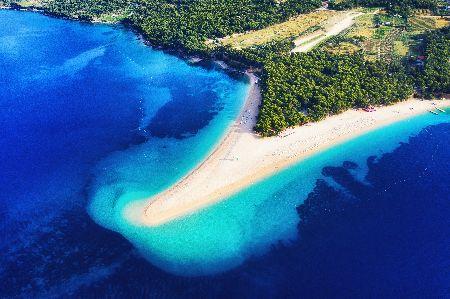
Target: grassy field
point(112, 17)
point(383, 36)
point(376, 33)
point(295, 27)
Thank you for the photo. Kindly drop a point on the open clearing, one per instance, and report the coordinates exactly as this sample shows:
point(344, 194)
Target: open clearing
point(331, 27)
point(382, 36)
point(302, 24)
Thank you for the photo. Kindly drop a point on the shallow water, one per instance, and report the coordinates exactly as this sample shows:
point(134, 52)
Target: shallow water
point(72, 94)
point(247, 224)
point(93, 120)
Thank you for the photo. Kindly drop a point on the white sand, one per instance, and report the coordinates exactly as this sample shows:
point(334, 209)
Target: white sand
point(243, 158)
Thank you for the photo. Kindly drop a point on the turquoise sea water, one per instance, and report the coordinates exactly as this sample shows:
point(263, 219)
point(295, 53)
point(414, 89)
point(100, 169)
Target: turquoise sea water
point(92, 120)
point(75, 93)
point(246, 224)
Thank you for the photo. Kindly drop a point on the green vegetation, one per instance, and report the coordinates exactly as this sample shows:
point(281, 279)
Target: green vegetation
point(255, 56)
point(402, 7)
point(187, 24)
point(435, 76)
point(364, 65)
point(110, 11)
point(292, 28)
point(91, 10)
point(385, 36)
point(25, 4)
point(308, 87)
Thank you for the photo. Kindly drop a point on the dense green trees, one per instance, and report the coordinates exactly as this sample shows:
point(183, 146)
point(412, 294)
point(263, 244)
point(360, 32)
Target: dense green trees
point(88, 9)
point(398, 6)
point(434, 78)
point(188, 24)
point(299, 88)
point(255, 56)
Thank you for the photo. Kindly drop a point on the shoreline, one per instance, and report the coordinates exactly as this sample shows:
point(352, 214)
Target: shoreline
point(243, 158)
point(253, 99)
point(196, 59)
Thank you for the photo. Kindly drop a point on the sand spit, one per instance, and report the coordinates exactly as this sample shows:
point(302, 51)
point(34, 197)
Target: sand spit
point(243, 158)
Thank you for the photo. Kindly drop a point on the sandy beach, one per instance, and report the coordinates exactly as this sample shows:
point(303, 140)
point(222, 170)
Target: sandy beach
point(243, 158)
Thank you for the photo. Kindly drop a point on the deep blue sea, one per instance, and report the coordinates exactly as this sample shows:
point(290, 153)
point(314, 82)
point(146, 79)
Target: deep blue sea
point(92, 120)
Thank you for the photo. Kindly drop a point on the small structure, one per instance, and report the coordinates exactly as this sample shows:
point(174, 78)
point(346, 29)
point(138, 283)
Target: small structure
point(370, 109)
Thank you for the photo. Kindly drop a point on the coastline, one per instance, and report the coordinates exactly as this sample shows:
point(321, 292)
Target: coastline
point(196, 59)
point(243, 158)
